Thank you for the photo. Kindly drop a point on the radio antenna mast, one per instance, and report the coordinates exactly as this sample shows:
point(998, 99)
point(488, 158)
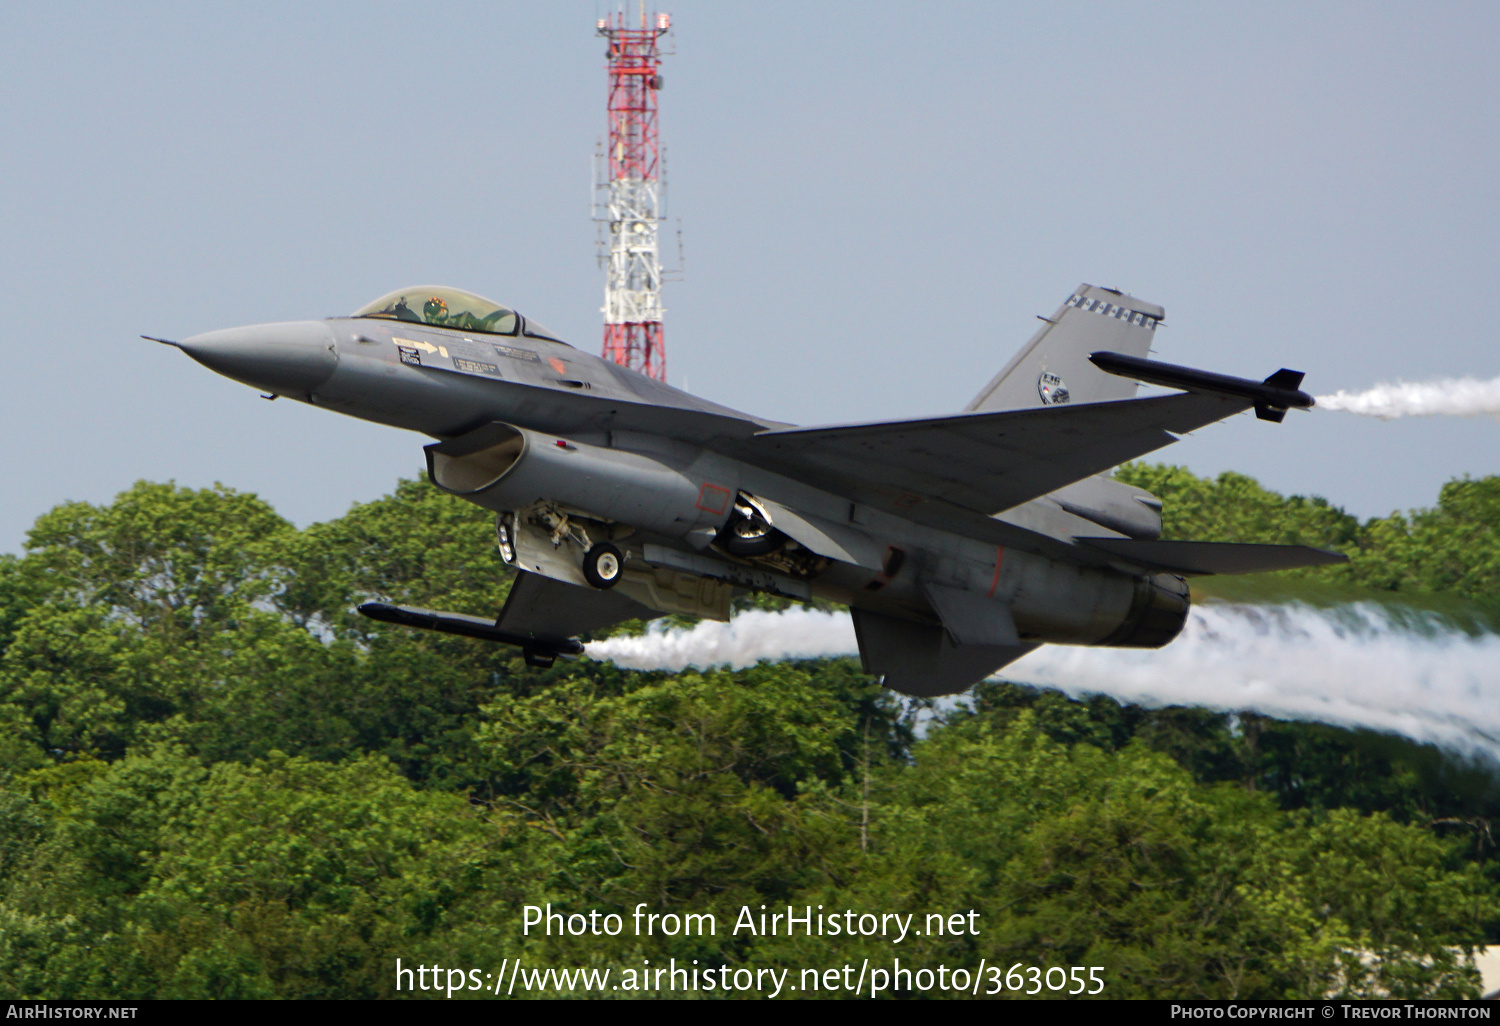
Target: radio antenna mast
point(633, 195)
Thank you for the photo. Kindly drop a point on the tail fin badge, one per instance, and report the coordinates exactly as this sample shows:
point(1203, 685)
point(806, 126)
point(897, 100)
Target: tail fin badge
point(1053, 390)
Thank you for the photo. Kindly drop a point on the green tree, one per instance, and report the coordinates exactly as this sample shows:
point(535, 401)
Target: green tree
point(217, 780)
point(1233, 507)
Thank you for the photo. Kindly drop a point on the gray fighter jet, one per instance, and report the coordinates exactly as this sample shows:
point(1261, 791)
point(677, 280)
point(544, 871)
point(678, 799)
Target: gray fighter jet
point(959, 543)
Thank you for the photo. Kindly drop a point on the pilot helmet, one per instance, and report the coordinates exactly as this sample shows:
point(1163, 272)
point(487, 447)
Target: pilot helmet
point(434, 309)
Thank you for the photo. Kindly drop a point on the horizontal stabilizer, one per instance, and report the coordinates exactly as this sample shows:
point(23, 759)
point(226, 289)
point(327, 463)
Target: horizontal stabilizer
point(466, 626)
point(1200, 558)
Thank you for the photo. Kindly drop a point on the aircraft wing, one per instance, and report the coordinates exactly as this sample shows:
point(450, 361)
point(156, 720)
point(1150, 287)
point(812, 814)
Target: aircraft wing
point(987, 462)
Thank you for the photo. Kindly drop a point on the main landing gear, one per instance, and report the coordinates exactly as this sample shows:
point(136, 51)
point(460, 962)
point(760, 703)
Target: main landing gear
point(602, 565)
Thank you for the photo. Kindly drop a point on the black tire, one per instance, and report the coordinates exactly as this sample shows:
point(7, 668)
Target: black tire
point(603, 565)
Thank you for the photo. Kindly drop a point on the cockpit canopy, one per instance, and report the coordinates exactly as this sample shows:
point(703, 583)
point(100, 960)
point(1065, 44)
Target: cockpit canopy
point(443, 307)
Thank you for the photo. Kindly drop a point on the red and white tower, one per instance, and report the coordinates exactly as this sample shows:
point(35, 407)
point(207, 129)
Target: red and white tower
point(632, 196)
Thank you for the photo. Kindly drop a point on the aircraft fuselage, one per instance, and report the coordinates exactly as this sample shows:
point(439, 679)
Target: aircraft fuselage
point(958, 543)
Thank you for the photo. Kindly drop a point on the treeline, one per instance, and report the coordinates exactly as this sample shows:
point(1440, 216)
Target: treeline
point(216, 780)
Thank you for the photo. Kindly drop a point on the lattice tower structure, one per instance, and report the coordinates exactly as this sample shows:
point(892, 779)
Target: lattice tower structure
point(633, 195)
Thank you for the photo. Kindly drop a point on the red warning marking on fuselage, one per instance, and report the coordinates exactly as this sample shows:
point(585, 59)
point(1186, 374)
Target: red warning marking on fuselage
point(557, 365)
point(713, 499)
point(999, 558)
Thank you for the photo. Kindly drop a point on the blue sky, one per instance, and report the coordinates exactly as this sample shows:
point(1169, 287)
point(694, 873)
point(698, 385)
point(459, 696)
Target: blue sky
point(876, 199)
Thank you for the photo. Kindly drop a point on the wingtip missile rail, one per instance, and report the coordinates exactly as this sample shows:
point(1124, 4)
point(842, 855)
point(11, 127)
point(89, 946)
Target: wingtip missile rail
point(1272, 397)
point(538, 651)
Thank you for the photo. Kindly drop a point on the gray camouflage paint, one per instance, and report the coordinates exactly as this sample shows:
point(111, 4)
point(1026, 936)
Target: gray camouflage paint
point(959, 543)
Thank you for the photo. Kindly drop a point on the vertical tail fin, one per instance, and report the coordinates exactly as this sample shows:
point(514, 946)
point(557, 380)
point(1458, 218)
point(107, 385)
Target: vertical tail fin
point(1054, 367)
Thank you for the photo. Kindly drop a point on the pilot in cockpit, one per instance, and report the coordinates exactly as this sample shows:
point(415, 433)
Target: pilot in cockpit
point(445, 308)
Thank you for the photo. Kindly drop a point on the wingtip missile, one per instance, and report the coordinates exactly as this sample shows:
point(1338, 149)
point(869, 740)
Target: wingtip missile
point(1272, 397)
point(538, 651)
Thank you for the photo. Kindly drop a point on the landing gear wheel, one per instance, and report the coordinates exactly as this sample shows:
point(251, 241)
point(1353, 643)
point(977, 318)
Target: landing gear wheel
point(748, 537)
point(602, 565)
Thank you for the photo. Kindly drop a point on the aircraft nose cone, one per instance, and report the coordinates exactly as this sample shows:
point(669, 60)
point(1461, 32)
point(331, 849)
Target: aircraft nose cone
point(291, 359)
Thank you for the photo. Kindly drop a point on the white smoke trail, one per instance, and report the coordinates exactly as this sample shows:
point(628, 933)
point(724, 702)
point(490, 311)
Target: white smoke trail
point(744, 641)
point(1454, 397)
point(1353, 666)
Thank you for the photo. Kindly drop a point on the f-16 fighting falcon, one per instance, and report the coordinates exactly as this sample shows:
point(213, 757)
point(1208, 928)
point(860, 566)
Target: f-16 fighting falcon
point(959, 543)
